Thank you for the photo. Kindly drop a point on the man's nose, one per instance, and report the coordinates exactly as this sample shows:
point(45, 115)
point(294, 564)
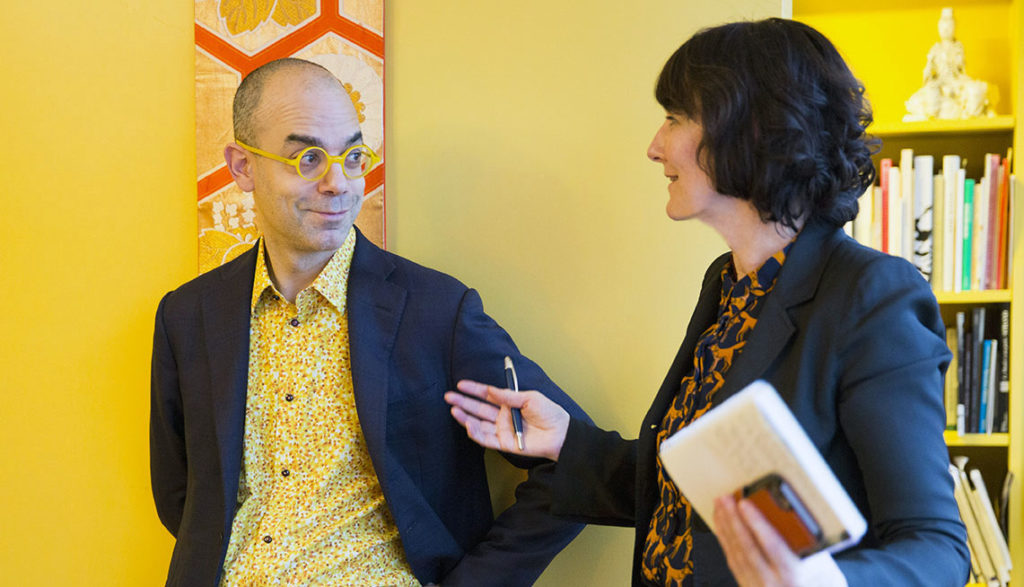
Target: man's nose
point(335, 181)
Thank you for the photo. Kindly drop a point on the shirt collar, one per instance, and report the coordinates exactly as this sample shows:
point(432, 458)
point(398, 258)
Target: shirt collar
point(332, 283)
point(762, 278)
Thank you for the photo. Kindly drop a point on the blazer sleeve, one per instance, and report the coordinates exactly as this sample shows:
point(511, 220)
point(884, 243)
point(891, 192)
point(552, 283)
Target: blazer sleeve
point(167, 460)
point(893, 356)
point(595, 478)
point(524, 538)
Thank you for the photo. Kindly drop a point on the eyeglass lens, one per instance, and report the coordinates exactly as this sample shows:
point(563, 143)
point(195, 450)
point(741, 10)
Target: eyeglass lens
point(313, 163)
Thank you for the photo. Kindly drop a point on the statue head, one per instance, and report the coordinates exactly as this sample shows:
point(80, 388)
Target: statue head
point(947, 25)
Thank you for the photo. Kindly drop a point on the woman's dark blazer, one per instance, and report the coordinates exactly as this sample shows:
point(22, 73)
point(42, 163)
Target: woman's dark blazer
point(853, 341)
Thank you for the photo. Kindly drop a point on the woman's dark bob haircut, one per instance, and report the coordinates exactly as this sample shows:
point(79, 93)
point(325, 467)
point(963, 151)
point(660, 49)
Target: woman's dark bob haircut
point(783, 118)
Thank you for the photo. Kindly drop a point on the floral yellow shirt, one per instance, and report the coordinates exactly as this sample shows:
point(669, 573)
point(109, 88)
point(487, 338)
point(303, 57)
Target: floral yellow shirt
point(669, 543)
point(310, 508)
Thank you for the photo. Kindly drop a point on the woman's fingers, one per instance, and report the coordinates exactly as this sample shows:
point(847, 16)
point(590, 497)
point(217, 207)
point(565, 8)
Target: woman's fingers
point(489, 393)
point(741, 549)
point(473, 407)
point(769, 540)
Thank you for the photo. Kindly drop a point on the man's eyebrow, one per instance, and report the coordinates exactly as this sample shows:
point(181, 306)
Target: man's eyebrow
point(355, 139)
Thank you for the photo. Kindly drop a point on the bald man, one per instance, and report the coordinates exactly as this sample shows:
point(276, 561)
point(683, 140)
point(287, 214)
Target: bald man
point(298, 432)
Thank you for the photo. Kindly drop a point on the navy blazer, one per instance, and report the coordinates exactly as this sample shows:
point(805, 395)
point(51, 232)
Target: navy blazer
point(853, 341)
point(414, 332)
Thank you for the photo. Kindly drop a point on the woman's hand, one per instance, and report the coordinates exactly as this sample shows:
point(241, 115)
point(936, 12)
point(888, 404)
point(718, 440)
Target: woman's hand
point(486, 414)
point(758, 555)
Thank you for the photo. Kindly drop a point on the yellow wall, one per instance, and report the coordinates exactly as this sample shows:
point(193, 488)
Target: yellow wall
point(517, 135)
point(97, 220)
point(516, 138)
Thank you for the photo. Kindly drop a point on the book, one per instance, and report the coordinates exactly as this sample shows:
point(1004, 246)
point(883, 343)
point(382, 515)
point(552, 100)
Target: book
point(984, 393)
point(939, 260)
point(1010, 223)
point(907, 199)
point(991, 385)
point(981, 560)
point(967, 235)
point(876, 218)
point(883, 179)
point(979, 238)
point(962, 340)
point(992, 535)
point(950, 165)
point(1001, 416)
point(994, 169)
point(1003, 223)
point(975, 379)
point(1004, 503)
point(896, 222)
point(862, 222)
point(749, 436)
point(951, 384)
point(923, 214)
point(981, 564)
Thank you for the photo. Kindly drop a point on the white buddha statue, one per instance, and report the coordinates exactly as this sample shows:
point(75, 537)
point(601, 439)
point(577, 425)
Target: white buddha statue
point(948, 92)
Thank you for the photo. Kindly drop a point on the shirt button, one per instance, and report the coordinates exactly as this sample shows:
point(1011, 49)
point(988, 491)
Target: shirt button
point(294, 322)
point(288, 397)
point(268, 539)
point(285, 473)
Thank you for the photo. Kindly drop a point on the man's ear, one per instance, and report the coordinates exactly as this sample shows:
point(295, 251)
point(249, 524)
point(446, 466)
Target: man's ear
point(240, 165)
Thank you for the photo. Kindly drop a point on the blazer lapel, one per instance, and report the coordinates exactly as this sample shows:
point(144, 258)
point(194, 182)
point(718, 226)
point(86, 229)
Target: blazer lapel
point(225, 322)
point(797, 282)
point(375, 308)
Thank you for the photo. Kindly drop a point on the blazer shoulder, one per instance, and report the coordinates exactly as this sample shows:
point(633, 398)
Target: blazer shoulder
point(240, 267)
point(409, 274)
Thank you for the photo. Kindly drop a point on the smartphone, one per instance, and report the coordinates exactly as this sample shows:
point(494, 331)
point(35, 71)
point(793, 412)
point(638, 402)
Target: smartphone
point(779, 503)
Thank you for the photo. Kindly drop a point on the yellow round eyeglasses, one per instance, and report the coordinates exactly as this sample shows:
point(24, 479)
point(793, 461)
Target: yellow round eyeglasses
point(312, 163)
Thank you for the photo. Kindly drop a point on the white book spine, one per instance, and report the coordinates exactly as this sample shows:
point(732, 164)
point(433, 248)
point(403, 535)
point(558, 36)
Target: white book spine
point(938, 233)
point(923, 214)
point(862, 223)
point(958, 251)
point(907, 197)
point(895, 214)
point(950, 163)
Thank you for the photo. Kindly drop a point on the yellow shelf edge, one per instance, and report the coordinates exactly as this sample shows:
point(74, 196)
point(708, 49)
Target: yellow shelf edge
point(1001, 123)
point(814, 7)
point(994, 439)
point(987, 296)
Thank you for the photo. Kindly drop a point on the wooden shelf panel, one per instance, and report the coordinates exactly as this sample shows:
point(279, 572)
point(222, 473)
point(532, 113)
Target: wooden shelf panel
point(995, 439)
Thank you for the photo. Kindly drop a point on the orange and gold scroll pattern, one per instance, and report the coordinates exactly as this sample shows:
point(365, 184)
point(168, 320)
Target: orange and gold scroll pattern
point(233, 37)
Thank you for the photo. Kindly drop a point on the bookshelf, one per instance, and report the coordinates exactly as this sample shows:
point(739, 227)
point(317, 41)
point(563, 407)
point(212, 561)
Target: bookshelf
point(886, 42)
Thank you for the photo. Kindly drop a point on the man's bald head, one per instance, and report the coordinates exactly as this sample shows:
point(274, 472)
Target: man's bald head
point(244, 110)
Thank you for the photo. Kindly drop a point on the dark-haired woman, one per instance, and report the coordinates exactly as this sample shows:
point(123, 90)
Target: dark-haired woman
point(764, 140)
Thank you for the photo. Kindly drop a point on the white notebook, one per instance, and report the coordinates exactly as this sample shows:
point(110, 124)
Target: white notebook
point(749, 436)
